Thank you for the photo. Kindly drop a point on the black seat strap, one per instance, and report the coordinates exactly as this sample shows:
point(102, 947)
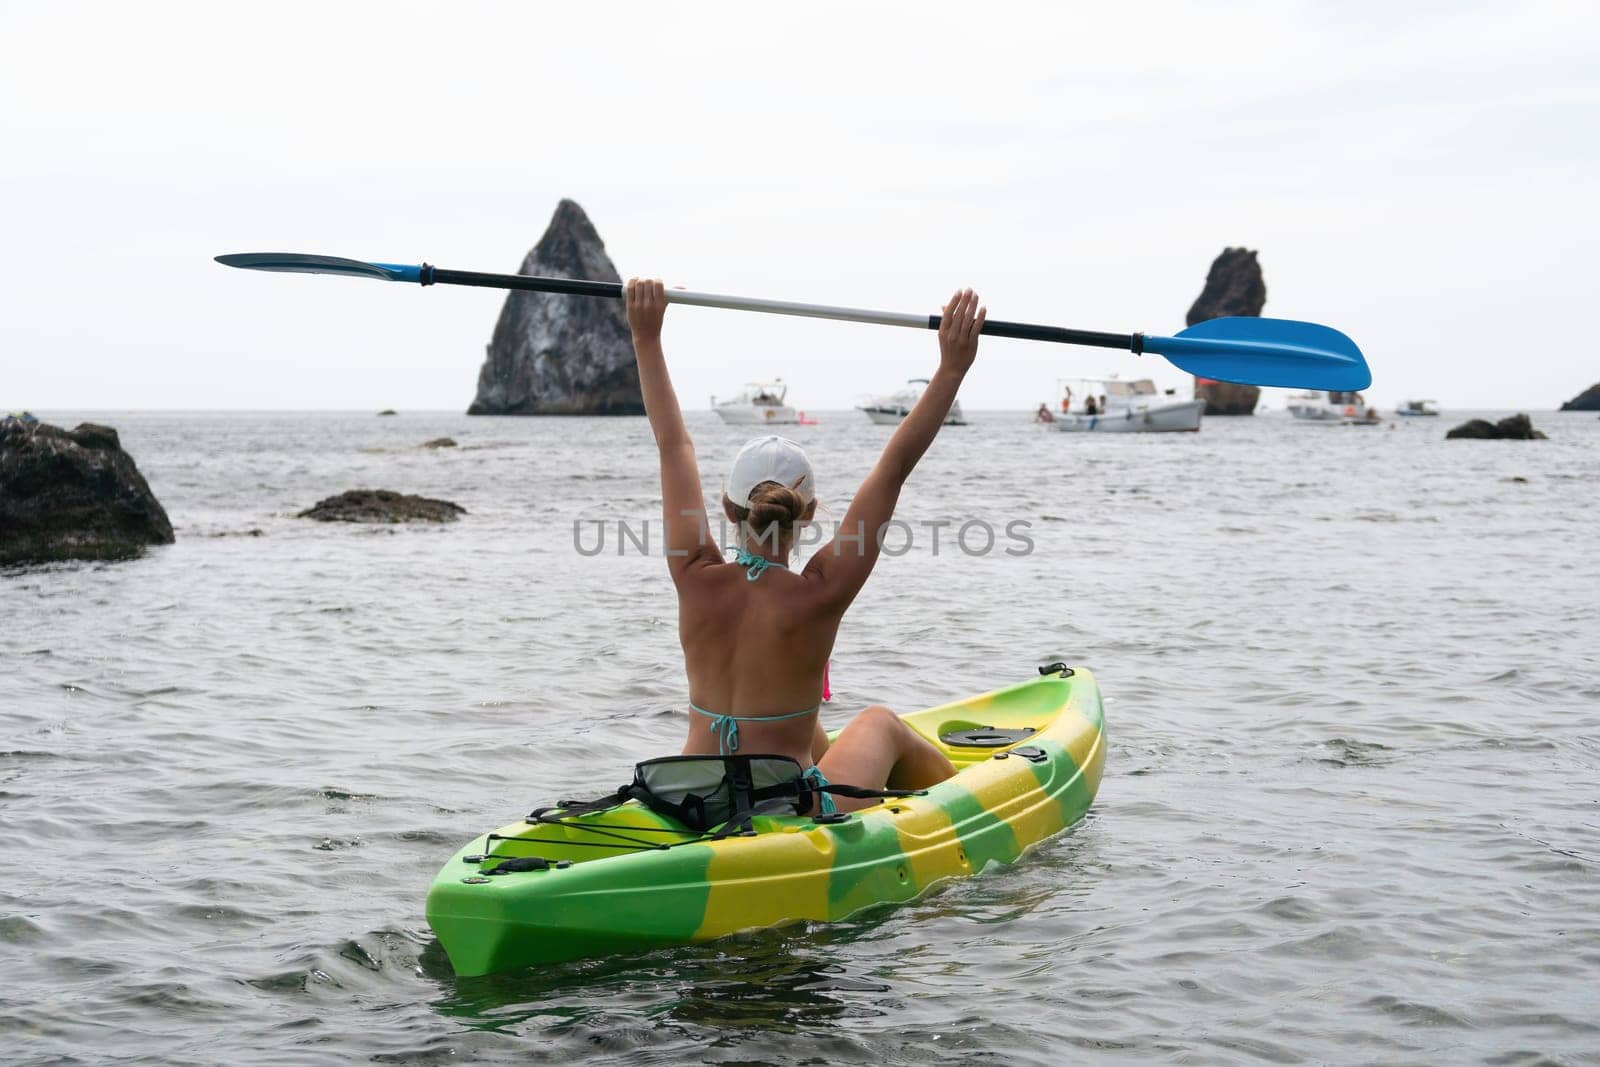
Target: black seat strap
point(691, 810)
point(579, 807)
point(862, 793)
point(744, 798)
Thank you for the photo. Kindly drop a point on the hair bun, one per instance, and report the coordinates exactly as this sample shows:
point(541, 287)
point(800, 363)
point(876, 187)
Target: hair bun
point(772, 503)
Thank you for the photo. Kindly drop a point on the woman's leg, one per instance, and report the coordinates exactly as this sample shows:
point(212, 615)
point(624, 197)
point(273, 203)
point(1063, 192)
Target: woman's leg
point(877, 750)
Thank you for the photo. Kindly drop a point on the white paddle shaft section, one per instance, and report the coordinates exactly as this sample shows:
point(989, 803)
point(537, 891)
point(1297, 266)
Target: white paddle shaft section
point(786, 307)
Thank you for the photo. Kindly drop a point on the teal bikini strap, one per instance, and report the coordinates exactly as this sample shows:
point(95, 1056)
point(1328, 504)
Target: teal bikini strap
point(824, 800)
point(726, 727)
point(756, 564)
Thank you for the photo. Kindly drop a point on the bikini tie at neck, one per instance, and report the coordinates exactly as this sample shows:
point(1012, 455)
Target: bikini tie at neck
point(755, 564)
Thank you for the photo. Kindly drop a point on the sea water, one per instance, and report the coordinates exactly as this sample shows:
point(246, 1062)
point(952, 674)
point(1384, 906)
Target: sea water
point(1350, 811)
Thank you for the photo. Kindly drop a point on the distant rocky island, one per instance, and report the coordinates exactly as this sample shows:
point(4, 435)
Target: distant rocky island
point(561, 355)
point(1234, 286)
point(1588, 400)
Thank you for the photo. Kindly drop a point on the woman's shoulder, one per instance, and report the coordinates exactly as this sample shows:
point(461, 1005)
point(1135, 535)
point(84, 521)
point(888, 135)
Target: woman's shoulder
point(798, 587)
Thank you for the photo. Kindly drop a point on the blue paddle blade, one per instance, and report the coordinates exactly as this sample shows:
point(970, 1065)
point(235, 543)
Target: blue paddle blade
point(299, 263)
point(1277, 352)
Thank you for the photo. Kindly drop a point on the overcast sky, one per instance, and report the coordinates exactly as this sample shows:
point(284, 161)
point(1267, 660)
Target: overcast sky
point(1419, 175)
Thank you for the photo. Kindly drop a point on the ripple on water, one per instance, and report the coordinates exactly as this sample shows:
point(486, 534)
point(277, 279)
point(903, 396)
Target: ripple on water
point(1348, 813)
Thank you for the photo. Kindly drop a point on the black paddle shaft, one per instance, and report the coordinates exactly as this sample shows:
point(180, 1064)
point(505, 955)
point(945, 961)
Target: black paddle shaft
point(576, 287)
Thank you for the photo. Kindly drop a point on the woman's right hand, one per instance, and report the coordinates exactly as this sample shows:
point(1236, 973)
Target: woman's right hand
point(645, 301)
point(959, 325)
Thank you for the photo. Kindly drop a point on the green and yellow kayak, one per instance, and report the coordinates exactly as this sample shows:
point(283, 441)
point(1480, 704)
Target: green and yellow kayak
point(1028, 759)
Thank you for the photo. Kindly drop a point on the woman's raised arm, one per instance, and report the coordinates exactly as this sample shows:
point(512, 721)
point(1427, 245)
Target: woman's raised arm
point(683, 506)
point(846, 562)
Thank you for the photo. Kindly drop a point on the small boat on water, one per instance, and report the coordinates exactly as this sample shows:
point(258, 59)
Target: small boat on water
point(1110, 405)
point(760, 404)
point(1415, 408)
point(891, 410)
point(1332, 409)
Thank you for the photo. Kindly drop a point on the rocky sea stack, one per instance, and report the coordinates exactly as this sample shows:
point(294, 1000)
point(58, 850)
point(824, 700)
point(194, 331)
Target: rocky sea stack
point(561, 355)
point(382, 506)
point(73, 494)
point(1234, 286)
point(1588, 400)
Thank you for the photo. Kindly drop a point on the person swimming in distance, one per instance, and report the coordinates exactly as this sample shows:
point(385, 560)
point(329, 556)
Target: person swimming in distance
point(756, 636)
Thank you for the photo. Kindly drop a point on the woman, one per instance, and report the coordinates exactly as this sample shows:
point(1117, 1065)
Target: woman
point(756, 636)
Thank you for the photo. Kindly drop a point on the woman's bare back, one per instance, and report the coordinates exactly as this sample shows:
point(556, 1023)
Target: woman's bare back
point(756, 637)
point(755, 649)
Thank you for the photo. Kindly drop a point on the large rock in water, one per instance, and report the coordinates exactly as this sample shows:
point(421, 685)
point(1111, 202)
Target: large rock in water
point(1513, 428)
point(73, 494)
point(1588, 400)
point(1234, 286)
point(561, 355)
point(382, 506)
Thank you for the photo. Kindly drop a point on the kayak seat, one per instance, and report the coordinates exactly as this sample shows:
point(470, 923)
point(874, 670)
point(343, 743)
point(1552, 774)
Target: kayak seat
point(719, 795)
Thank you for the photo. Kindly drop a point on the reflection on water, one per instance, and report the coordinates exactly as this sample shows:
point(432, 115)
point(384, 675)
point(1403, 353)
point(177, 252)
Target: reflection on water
point(775, 982)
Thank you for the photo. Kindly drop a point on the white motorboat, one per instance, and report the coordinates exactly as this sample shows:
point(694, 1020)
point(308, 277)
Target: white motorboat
point(1110, 405)
point(760, 404)
point(1332, 409)
point(891, 410)
point(1413, 408)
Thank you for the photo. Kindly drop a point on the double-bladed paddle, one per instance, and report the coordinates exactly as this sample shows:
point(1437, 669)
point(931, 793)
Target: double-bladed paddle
point(1251, 351)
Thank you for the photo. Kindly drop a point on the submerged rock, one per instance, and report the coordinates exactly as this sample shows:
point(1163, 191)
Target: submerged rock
point(1588, 400)
point(387, 411)
point(1513, 428)
point(1234, 286)
point(561, 355)
point(73, 494)
point(382, 506)
point(440, 442)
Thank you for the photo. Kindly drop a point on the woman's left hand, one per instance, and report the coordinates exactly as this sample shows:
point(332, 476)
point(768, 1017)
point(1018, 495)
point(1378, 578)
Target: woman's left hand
point(645, 301)
point(959, 328)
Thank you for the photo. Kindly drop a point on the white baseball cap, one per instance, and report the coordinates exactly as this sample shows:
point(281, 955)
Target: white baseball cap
point(770, 459)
